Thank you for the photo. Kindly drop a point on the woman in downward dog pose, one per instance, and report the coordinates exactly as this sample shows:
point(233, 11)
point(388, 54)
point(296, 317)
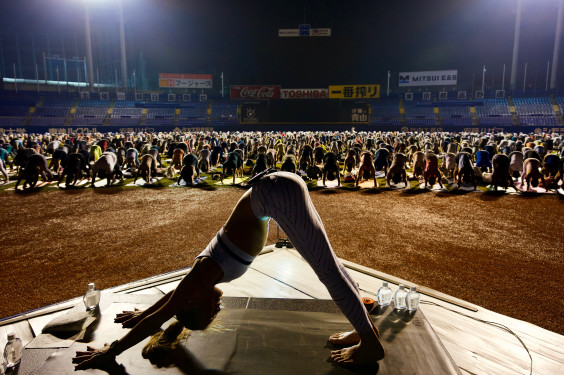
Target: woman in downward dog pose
point(195, 302)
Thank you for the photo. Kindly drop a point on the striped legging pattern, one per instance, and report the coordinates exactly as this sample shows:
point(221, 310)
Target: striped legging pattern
point(284, 197)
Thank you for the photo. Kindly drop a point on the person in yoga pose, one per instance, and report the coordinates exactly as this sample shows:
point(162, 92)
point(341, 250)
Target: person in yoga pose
point(195, 302)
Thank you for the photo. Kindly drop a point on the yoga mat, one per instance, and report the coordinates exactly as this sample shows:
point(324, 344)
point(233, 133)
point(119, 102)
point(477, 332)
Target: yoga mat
point(275, 336)
point(183, 183)
point(142, 182)
point(229, 181)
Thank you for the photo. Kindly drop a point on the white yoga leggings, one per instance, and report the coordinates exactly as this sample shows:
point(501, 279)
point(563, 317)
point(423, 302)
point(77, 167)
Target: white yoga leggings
point(284, 197)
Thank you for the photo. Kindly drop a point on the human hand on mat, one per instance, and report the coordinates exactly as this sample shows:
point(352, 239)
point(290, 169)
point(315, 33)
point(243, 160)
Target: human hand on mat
point(95, 358)
point(129, 319)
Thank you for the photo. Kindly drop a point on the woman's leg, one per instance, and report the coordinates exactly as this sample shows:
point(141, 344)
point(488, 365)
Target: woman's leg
point(284, 197)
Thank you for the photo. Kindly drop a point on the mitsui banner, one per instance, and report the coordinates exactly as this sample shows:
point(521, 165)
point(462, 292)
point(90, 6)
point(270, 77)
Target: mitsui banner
point(430, 78)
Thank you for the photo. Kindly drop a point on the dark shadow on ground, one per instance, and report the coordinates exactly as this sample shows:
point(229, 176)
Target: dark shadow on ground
point(330, 191)
point(492, 195)
point(108, 190)
point(371, 191)
point(414, 192)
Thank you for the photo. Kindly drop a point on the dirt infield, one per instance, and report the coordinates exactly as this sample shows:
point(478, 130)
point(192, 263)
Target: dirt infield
point(498, 251)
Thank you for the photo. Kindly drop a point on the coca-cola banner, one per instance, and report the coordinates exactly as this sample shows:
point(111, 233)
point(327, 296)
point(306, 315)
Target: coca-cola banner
point(304, 93)
point(255, 92)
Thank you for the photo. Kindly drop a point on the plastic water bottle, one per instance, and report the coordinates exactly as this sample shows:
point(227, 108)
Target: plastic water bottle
point(399, 298)
point(412, 299)
point(13, 350)
point(91, 297)
point(384, 295)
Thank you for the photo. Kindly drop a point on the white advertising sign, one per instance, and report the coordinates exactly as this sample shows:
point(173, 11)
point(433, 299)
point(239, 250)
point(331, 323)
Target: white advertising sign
point(304, 93)
point(186, 81)
point(430, 78)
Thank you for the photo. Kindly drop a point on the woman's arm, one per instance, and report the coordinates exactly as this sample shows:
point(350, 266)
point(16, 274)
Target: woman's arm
point(205, 273)
point(129, 319)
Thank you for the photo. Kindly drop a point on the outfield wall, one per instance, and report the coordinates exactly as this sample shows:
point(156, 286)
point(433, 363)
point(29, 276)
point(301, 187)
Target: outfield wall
point(282, 127)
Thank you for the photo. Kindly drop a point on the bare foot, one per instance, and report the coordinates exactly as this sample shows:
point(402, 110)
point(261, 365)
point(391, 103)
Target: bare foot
point(365, 353)
point(345, 338)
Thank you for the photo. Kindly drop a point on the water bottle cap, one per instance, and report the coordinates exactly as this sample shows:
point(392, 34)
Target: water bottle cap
point(401, 286)
point(385, 284)
point(91, 286)
point(11, 336)
point(413, 288)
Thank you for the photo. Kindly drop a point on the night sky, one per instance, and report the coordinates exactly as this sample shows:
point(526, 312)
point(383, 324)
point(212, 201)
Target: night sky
point(240, 37)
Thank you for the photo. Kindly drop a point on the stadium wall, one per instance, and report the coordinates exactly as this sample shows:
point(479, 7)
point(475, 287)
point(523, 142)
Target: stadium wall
point(281, 127)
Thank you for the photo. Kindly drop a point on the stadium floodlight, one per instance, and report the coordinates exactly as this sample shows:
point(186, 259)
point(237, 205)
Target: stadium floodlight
point(89, 41)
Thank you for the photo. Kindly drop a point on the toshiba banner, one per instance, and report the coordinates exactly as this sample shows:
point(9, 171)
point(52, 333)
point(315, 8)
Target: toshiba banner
point(255, 92)
point(432, 78)
point(186, 81)
point(304, 93)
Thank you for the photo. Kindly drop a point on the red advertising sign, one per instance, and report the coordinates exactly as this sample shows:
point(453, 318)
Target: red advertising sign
point(255, 92)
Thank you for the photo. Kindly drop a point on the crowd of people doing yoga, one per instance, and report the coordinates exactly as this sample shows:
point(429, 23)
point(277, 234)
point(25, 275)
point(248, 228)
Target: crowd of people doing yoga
point(500, 160)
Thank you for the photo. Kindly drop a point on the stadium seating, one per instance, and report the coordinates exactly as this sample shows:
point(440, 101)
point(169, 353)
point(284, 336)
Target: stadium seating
point(497, 106)
point(385, 110)
point(48, 120)
point(194, 111)
point(156, 113)
point(55, 109)
point(91, 109)
point(224, 110)
point(127, 121)
point(11, 121)
point(454, 111)
point(413, 110)
point(457, 121)
point(127, 112)
point(421, 121)
point(538, 120)
point(13, 110)
point(159, 121)
point(533, 106)
point(496, 120)
point(87, 121)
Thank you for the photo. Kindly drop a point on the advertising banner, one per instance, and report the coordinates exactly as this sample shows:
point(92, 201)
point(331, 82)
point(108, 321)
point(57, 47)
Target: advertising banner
point(304, 93)
point(186, 81)
point(355, 111)
point(354, 92)
point(430, 78)
point(255, 92)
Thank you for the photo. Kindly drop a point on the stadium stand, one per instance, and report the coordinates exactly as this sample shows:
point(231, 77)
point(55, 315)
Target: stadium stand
point(52, 109)
point(533, 106)
point(92, 108)
point(493, 107)
point(496, 120)
point(538, 120)
point(421, 121)
point(160, 113)
point(224, 110)
point(194, 111)
point(457, 121)
point(419, 111)
point(48, 120)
